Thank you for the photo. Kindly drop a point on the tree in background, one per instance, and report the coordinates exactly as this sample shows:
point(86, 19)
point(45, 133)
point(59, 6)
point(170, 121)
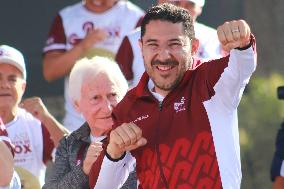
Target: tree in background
point(260, 116)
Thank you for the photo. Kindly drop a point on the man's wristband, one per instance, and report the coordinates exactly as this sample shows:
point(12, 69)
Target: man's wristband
point(115, 160)
point(247, 46)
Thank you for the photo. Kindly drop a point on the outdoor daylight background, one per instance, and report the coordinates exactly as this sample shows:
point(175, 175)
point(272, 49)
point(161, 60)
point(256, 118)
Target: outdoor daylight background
point(25, 24)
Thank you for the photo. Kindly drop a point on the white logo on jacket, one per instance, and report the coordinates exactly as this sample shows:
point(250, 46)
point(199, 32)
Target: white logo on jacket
point(140, 118)
point(180, 106)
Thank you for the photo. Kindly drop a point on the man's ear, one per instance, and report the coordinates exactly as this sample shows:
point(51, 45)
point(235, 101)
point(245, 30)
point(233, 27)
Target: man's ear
point(77, 106)
point(24, 84)
point(194, 46)
point(140, 43)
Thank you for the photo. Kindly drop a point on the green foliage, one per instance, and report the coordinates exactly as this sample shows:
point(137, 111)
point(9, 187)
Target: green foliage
point(260, 116)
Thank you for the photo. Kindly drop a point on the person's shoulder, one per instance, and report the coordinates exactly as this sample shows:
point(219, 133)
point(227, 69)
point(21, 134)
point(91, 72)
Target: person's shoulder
point(134, 35)
point(81, 132)
point(130, 7)
point(24, 116)
point(71, 8)
point(68, 140)
point(204, 28)
point(127, 100)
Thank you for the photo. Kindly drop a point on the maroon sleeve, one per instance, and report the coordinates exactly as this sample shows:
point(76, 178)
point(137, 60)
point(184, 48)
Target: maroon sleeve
point(56, 34)
point(139, 22)
point(48, 145)
point(214, 71)
point(124, 58)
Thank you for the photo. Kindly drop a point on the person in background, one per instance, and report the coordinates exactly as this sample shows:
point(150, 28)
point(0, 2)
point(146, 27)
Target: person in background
point(180, 124)
point(86, 29)
point(96, 86)
point(209, 45)
point(129, 55)
point(277, 166)
point(8, 177)
point(29, 125)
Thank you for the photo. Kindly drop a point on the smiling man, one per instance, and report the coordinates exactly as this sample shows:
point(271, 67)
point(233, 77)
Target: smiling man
point(129, 55)
point(31, 128)
point(180, 124)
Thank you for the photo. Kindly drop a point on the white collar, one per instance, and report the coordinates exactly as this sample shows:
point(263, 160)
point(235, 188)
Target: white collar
point(151, 86)
point(97, 139)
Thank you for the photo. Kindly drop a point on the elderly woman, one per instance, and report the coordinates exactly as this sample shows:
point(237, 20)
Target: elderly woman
point(96, 86)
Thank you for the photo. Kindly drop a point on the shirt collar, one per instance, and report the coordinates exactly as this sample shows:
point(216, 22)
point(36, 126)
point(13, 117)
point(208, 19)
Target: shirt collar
point(151, 86)
point(97, 139)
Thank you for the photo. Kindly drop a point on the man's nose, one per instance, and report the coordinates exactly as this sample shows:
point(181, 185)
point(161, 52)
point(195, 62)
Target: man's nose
point(107, 106)
point(4, 84)
point(164, 54)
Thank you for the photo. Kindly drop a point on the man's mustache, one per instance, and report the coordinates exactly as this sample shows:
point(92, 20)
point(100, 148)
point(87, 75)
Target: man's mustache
point(170, 62)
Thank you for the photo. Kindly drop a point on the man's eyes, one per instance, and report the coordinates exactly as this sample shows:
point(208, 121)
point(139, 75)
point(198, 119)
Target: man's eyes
point(12, 79)
point(153, 45)
point(175, 44)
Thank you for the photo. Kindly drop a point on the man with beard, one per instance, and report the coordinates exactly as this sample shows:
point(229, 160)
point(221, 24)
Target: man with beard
point(129, 55)
point(180, 124)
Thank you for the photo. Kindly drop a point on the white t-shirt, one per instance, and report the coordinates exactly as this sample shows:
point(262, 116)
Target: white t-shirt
point(209, 45)
point(32, 144)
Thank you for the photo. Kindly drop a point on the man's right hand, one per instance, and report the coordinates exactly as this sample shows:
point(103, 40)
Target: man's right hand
point(124, 138)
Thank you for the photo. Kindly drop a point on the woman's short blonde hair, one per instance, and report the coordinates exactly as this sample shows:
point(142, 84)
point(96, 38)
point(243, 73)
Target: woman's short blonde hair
point(85, 67)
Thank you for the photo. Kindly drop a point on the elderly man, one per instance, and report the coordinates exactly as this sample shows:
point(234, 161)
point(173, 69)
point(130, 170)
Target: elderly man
point(129, 55)
point(180, 124)
point(96, 86)
point(32, 130)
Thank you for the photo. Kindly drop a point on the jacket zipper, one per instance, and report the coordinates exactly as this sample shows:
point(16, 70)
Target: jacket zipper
point(157, 149)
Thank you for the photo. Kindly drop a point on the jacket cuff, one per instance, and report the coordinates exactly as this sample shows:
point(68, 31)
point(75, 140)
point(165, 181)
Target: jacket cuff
point(251, 43)
point(115, 160)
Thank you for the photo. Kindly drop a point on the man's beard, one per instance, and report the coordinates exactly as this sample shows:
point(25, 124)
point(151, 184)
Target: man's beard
point(170, 62)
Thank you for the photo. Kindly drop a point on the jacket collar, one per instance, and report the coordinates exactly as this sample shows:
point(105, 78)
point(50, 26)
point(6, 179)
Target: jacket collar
point(83, 133)
point(142, 88)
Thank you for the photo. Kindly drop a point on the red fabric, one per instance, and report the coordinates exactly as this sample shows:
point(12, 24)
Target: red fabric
point(96, 167)
point(139, 22)
point(180, 151)
point(3, 132)
point(124, 58)
point(48, 145)
point(56, 34)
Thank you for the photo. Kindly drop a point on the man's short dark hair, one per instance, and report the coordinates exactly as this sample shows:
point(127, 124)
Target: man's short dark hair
point(170, 13)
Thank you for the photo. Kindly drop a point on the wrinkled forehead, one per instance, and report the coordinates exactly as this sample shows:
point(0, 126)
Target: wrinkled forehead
point(99, 80)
